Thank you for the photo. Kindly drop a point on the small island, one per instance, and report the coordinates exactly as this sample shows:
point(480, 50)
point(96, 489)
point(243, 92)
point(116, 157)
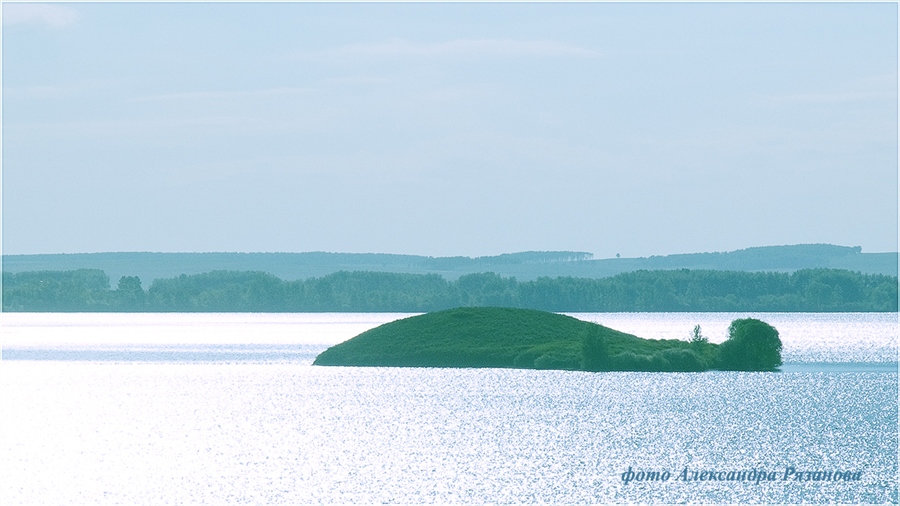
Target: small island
point(531, 339)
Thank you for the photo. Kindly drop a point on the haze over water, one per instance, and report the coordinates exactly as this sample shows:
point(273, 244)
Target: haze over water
point(807, 337)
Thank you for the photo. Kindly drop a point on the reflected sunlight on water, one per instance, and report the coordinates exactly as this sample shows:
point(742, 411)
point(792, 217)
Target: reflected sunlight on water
point(234, 414)
point(89, 433)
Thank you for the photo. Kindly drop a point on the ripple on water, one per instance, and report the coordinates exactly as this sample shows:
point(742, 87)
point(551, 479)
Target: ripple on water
point(280, 433)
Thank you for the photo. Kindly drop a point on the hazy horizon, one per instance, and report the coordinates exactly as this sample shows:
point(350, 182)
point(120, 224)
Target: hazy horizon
point(452, 129)
point(595, 257)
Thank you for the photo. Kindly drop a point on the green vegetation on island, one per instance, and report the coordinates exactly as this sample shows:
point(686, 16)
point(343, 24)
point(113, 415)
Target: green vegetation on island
point(812, 290)
point(530, 339)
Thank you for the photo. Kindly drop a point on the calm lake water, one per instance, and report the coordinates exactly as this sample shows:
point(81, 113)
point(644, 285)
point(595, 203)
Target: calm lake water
point(226, 408)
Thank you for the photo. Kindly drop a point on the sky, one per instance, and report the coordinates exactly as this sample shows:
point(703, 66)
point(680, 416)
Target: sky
point(448, 129)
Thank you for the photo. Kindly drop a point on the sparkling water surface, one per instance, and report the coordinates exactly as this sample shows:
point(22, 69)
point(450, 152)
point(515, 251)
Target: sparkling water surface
point(271, 429)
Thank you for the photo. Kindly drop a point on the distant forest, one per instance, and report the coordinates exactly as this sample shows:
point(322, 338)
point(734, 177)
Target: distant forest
point(808, 290)
point(524, 266)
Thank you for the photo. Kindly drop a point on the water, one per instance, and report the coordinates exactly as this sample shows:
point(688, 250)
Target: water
point(257, 424)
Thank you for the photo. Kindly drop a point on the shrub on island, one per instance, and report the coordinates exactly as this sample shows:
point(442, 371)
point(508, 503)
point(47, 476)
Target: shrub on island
point(675, 358)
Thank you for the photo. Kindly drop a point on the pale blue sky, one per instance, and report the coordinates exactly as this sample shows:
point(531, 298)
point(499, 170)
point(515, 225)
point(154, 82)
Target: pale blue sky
point(448, 129)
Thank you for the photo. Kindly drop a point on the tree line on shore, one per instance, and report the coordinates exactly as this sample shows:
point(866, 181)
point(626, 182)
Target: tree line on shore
point(809, 290)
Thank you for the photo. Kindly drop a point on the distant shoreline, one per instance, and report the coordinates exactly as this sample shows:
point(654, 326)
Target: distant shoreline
point(524, 266)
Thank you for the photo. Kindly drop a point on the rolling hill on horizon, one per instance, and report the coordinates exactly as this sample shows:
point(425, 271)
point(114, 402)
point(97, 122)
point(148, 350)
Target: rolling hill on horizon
point(524, 266)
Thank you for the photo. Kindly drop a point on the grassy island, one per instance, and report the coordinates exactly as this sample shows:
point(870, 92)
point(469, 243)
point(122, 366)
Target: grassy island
point(531, 339)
